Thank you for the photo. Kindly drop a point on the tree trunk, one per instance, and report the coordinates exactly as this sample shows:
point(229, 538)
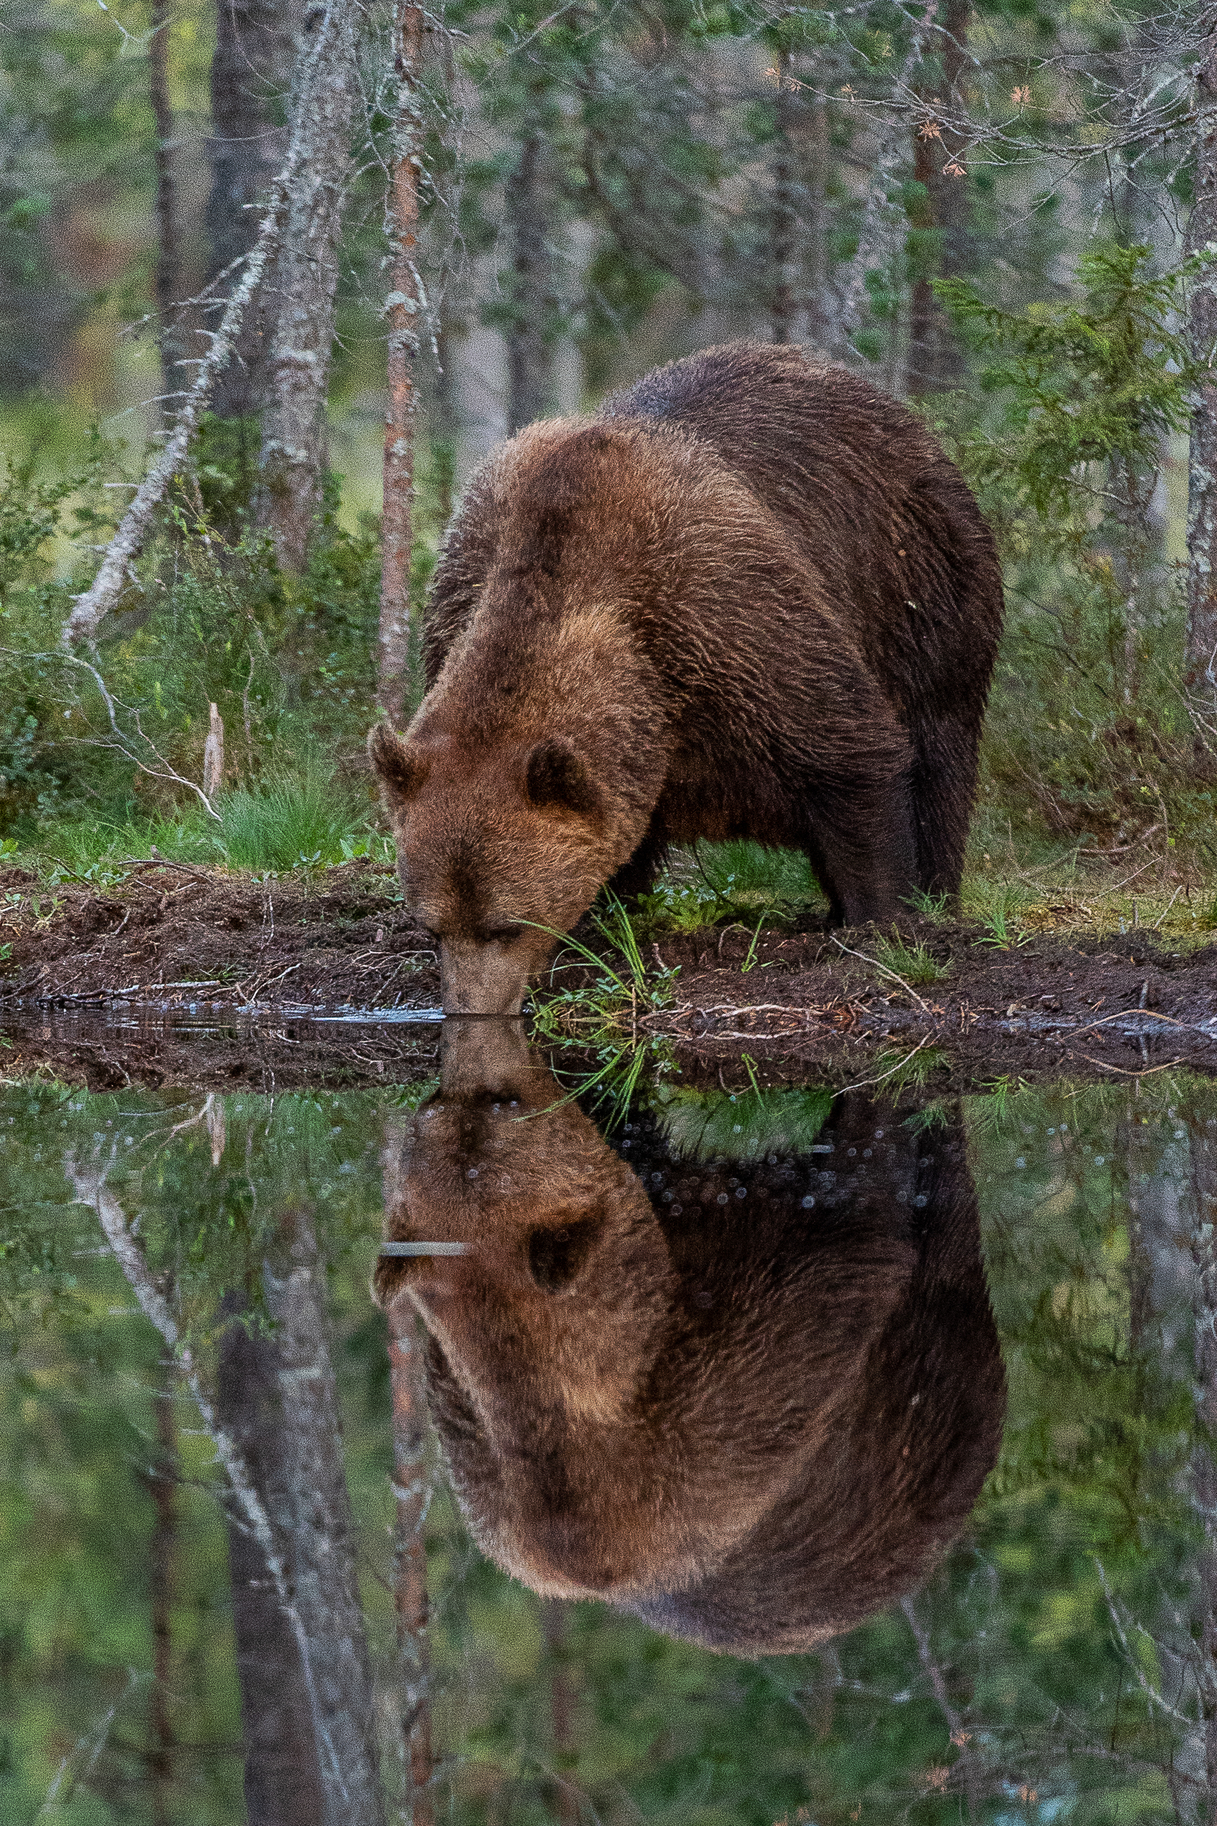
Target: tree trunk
point(785, 210)
point(307, 1717)
point(935, 361)
point(293, 458)
point(530, 336)
point(819, 311)
point(163, 1487)
point(1202, 461)
point(396, 659)
point(412, 1487)
point(251, 73)
point(168, 232)
point(565, 1800)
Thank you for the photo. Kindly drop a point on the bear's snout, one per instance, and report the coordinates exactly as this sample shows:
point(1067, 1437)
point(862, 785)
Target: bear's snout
point(482, 978)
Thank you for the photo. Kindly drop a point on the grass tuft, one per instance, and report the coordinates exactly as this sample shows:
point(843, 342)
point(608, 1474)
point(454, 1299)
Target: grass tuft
point(915, 963)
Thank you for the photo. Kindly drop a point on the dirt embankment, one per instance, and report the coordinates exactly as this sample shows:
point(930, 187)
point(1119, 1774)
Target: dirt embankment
point(246, 964)
point(189, 938)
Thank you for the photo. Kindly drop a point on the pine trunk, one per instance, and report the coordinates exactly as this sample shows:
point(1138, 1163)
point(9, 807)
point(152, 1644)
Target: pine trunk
point(168, 232)
point(935, 361)
point(530, 351)
point(251, 73)
point(396, 660)
point(412, 1486)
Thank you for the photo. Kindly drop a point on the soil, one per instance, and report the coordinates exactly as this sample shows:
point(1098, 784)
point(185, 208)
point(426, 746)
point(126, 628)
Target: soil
point(182, 976)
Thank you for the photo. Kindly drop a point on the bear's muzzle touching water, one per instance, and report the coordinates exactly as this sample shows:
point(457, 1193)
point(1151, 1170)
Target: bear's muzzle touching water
point(750, 598)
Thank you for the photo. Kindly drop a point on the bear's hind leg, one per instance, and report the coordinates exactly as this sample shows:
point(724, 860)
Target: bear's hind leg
point(943, 787)
point(862, 846)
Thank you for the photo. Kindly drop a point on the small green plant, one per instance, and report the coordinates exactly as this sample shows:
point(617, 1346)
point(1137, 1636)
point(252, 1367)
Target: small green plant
point(930, 906)
point(997, 904)
point(900, 1068)
point(915, 963)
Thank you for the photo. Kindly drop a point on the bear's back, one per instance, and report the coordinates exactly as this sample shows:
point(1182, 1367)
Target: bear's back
point(876, 506)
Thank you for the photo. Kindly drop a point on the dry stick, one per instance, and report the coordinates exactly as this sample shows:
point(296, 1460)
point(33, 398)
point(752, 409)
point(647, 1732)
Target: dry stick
point(91, 1189)
point(401, 308)
point(874, 962)
point(108, 585)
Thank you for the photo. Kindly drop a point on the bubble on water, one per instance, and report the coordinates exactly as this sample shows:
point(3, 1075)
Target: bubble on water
point(472, 1173)
point(722, 1198)
point(737, 1128)
point(1098, 1160)
point(741, 1191)
point(1020, 1162)
point(1180, 1134)
point(921, 1201)
point(808, 1202)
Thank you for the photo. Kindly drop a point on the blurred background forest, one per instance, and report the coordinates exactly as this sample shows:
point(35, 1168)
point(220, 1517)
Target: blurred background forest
point(998, 211)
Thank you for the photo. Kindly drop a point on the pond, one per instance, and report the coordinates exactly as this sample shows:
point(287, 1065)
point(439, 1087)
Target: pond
point(751, 1456)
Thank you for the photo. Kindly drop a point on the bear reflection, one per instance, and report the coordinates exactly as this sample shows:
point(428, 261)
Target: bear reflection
point(751, 1401)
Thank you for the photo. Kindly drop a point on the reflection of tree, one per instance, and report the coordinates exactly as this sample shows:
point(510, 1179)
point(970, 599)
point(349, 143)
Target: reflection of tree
point(302, 1656)
point(412, 1494)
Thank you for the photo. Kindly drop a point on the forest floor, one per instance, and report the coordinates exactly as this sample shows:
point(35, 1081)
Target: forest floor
point(176, 975)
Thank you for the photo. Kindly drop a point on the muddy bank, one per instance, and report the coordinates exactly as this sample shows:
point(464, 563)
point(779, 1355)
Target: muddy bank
point(181, 938)
point(248, 964)
point(1052, 1006)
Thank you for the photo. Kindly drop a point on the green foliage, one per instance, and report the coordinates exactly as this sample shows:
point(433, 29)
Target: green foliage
point(732, 880)
point(285, 822)
point(1089, 730)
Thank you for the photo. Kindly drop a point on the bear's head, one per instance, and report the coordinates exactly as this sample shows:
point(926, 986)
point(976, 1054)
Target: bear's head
point(751, 1417)
point(501, 850)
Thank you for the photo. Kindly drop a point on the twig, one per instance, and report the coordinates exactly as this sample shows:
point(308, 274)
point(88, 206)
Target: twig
point(874, 962)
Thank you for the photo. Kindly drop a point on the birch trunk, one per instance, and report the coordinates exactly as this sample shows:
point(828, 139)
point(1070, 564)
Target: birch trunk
point(293, 457)
point(396, 658)
point(1202, 460)
point(310, 1757)
point(115, 570)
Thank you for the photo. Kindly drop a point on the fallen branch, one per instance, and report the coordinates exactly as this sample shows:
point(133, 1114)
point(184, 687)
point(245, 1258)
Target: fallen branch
point(112, 577)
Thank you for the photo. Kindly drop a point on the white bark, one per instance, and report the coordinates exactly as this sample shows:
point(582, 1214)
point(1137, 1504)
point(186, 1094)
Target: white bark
point(324, 54)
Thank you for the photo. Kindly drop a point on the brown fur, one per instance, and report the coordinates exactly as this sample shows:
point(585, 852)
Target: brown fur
point(750, 598)
point(751, 1424)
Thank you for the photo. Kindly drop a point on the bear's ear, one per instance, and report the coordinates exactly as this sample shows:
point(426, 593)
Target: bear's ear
point(556, 776)
point(400, 768)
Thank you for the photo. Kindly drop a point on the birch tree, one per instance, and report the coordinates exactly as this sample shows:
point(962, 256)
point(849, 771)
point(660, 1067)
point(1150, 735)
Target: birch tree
point(293, 456)
point(1202, 458)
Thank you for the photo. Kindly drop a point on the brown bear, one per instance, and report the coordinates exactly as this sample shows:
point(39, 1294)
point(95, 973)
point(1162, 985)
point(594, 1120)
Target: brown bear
point(752, 598)
point(750, 1400)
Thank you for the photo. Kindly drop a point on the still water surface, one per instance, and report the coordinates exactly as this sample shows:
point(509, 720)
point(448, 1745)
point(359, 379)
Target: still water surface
point(787, 1458)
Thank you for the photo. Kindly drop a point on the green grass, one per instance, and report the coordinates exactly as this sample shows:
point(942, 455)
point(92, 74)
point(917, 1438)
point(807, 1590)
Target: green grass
point(737, 880)
point(915, 964)
point(294, 821)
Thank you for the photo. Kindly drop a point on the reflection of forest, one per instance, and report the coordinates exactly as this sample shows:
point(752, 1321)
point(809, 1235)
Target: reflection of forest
point(1060, 1658)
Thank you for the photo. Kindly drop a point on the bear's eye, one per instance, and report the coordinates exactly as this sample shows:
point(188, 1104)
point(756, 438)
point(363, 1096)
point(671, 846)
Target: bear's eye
point(502, 935)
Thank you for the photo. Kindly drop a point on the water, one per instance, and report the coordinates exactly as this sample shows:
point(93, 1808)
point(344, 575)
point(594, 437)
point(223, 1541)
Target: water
point(791, 1458)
